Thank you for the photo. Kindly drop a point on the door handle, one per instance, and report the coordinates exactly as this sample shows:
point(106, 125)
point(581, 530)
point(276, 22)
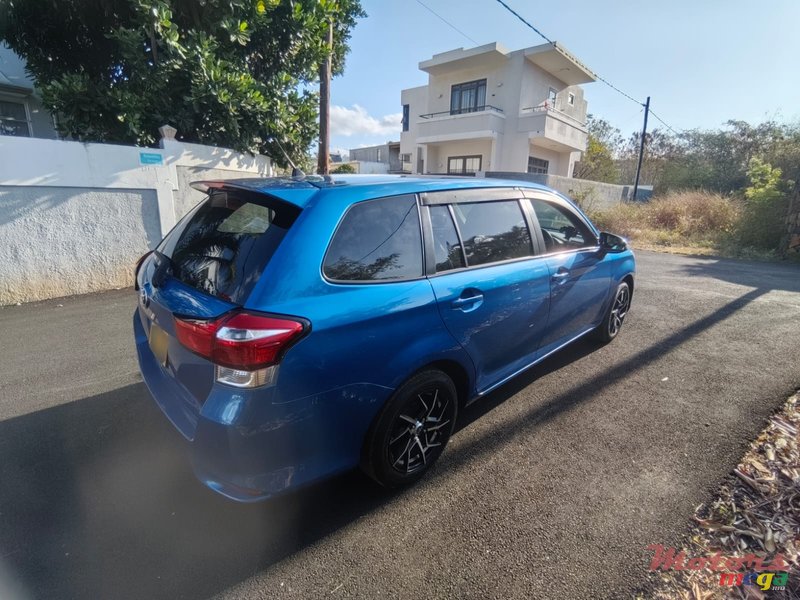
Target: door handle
point(467, 303)
point(560, 276)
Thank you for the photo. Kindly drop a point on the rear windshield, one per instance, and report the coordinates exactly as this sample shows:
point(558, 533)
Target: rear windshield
point(223, 245)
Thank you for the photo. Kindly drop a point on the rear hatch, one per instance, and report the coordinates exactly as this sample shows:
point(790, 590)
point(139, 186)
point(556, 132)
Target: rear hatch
point(204, 268)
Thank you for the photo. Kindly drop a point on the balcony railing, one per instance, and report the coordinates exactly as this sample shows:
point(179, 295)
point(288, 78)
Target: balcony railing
point(547, 107)
point(463, 111)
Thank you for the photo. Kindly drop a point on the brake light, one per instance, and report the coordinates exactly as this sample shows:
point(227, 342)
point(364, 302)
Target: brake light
point(240, 342)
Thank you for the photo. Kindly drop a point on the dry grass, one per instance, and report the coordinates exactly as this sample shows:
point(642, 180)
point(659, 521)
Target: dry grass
point(692, 220)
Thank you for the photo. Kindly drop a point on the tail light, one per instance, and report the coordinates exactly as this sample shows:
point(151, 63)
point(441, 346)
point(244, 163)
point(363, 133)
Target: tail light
point(245, 347)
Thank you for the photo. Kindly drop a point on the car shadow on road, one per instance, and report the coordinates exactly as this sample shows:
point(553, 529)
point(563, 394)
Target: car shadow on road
point(98, 500)
point(764, 276)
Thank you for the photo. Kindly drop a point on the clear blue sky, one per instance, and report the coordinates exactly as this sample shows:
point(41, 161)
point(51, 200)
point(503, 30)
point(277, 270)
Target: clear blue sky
point(702, 61)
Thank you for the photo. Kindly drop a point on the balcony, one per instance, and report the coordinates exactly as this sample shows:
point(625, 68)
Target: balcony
point(551, 128)
point(475, 123)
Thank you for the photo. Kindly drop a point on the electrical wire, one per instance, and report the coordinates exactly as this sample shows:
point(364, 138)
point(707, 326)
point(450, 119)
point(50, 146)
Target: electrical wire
point(599, 78)
point(516, 14)
point(664, 123)
point(446, 21)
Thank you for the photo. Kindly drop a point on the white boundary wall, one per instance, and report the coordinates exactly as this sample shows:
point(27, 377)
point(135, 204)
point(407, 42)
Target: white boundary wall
point(75, 217)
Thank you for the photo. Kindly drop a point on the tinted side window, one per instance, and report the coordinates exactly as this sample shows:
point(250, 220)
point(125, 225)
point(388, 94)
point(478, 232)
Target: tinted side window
point(561, 229)
point(377, 240)
point(493, 231)
point(445, 240)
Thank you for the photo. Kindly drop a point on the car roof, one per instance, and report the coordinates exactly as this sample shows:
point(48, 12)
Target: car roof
point(300, 190)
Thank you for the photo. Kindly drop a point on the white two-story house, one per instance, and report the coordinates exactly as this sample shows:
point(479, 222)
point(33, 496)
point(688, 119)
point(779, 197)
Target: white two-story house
point(491, 109)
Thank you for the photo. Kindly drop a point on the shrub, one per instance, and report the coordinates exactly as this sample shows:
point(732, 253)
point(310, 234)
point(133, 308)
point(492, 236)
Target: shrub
point(344, 168)
point(693, 214)
point(693, 217)
point(766, 205)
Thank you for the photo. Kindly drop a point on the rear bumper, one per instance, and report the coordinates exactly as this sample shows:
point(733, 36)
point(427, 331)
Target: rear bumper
point(249, 445)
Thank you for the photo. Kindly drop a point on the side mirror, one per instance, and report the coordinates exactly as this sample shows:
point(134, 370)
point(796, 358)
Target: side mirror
point(612, 243)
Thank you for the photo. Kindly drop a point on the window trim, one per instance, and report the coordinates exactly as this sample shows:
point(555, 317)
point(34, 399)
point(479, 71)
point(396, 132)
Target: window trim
point(464, 159)
point(475, 107)
point(552, 96)
point(546, 167)
point(524, 207)
point(423, 247)
point(427, 239)
point(471, 194)
point(566, 204)
point(26, 108)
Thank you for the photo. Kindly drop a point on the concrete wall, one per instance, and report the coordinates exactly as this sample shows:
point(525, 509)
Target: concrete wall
point(366, 167)
point(378, 153)
point(417, 100)
point(74, 217)
point(59, 241)
point(591, 195)
point(438, 154)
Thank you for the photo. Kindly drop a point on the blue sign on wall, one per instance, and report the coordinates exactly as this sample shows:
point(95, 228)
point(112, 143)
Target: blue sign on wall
point(150, 158)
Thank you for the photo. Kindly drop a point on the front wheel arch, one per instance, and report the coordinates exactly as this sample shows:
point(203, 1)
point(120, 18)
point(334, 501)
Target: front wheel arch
point(629, 280)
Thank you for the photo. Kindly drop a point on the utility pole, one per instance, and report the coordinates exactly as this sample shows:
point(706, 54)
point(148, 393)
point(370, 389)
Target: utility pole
point(323, 156)
point(641, 149)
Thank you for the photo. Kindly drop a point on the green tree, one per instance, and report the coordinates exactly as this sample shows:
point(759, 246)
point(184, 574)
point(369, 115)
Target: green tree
point(719, 159)
point(766, 203)
point(597, 162)
point(230, 73)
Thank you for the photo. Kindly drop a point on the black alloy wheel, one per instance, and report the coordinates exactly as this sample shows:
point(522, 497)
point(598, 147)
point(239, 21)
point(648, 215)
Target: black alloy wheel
point(615, 316)
point(412, 429)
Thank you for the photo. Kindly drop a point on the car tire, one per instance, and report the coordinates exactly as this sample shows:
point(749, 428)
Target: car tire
point(411, 430)
point(615, 315)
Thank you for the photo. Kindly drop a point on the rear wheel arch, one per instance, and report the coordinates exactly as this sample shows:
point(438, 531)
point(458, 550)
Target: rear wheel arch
point(377, 448)
point(456, 372)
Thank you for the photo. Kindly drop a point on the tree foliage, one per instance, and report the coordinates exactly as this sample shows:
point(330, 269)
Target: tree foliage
point(597, 162)
point(766, 203)
point(344, 168)
point(230, 73)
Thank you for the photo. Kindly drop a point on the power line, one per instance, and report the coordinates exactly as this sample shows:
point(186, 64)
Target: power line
point(599, 78)
point(446, 22)
point(663, 122)
point(606, 81)
point(615, 88)
point(516, 14)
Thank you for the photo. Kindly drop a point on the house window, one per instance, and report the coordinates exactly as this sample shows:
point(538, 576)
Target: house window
point(405, 117)
point(537, 165)
point(405, 157)
point(379, 155)
point(463, 165)
point(551, 98)
point(571, 99)
point(468, 97)
point(14, 119)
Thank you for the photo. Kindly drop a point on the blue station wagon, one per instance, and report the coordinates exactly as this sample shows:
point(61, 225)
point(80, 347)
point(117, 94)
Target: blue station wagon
point(295, 328)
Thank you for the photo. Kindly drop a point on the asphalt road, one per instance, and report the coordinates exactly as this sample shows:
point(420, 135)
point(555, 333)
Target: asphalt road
point(552, 488)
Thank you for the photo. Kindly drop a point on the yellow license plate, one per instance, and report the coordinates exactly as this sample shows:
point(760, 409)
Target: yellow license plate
point(159, 340)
